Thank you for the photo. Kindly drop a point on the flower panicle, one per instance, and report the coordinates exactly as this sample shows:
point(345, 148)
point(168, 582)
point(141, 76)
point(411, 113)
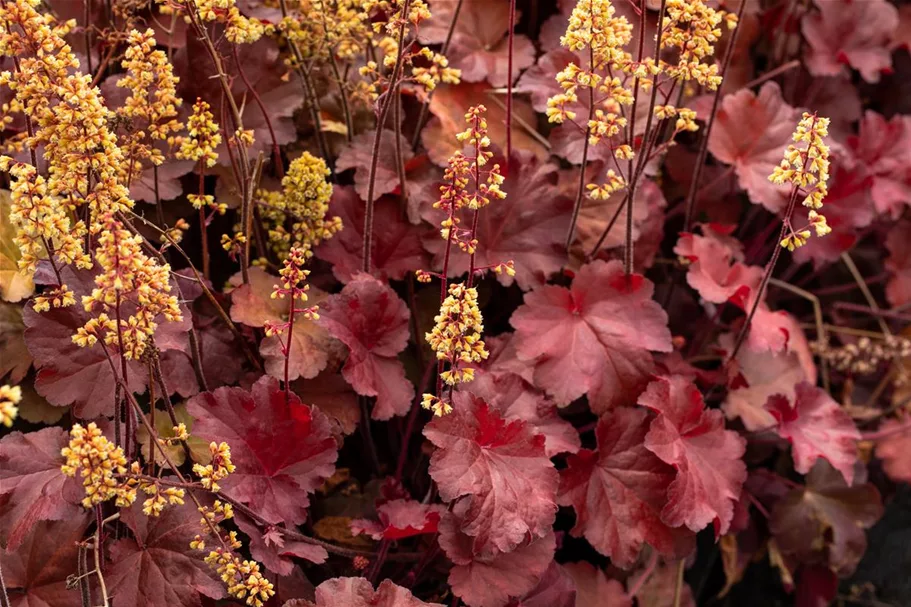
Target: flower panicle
point(805, 166)
point(10, 396)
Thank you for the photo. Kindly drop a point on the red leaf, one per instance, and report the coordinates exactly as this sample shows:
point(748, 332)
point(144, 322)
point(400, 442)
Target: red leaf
point(399, 519)
point(594, 588)
point(898, 291)
point(369, 318)
point(359, 592)
point(31, 483)
point(857, 33)
point(68, 374)
point(824, 523)
point(358, 155)
point(271, 548)
point(817, 427)
point(618, 491)
point(691, 438)
point(540, 80)
point(527, 227)
point(499, 473)
point(760, 375)
point(555, 589)
point(660, 589)
point(894, 450)
point(594, 337)
point(751, 132)
point(283, 451)
point(311, 345)
point(157, 567)
point(490, 581)
point(716, 270)
point(501, 384)
point(880, 148)
point(397, 248)
point(479, 45)
point(36, 573)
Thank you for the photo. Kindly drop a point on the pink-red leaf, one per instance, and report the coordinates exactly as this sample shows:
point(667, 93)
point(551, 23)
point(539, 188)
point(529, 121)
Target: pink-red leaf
point(751, 133)
point(400, 518)
point(369, 318)
point(491, 580)
point(31, 483)
point(359, 592)
point(844, 32)
point(498, 471)
point(894, 449)
point(594, 588)
point(156, 567)
point(594, 337)
point(274, 550)
point(555, 589)
point(691, 438)
point(881, 148)
point(282, 450)
point(618, 491)
point(817, 427)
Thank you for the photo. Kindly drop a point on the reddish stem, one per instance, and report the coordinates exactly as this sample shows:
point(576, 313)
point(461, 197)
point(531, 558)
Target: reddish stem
point(512, 35)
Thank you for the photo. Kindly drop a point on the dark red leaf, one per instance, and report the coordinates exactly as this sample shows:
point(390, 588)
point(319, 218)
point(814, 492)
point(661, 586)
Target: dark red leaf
point(358, 155)
point(359, 592)
point(594, 588)
point(490, 581)
point(397, 248)
point(31, 483)
point(399, 519)
point(527, 227)
point(618, 491)
point(369, 318)
point(691, 438)
point(282, 450)
point(274, 550)
point(555, 589)
point(36, 573)
point(157, 567)
point(824, 523)
point(498, 472)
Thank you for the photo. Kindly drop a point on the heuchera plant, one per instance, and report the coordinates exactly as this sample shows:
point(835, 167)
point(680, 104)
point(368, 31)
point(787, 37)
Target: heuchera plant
point(402, 303)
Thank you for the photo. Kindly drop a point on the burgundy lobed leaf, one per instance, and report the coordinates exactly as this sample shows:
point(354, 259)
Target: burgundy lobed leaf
point(35, 574)
point(283, 450)
point(492, 580)
point(710, 472)
point(499, 473)
point(31, 483)
point(817, 427)
point(500, 382)
point(526, 227)
point(594, 588)
point(359, 592)
point(156, 567)
point(898, 290)
point(823, 523)
point(619, 490)
point(397, 249)
point(594, 337)
point(400, 518)
point(67, 374)
point(858, 34)
point(751, 133)
point(275, 551)
point(478, 46)
point(358, 155)
point(556, 588)
point(369, 318)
